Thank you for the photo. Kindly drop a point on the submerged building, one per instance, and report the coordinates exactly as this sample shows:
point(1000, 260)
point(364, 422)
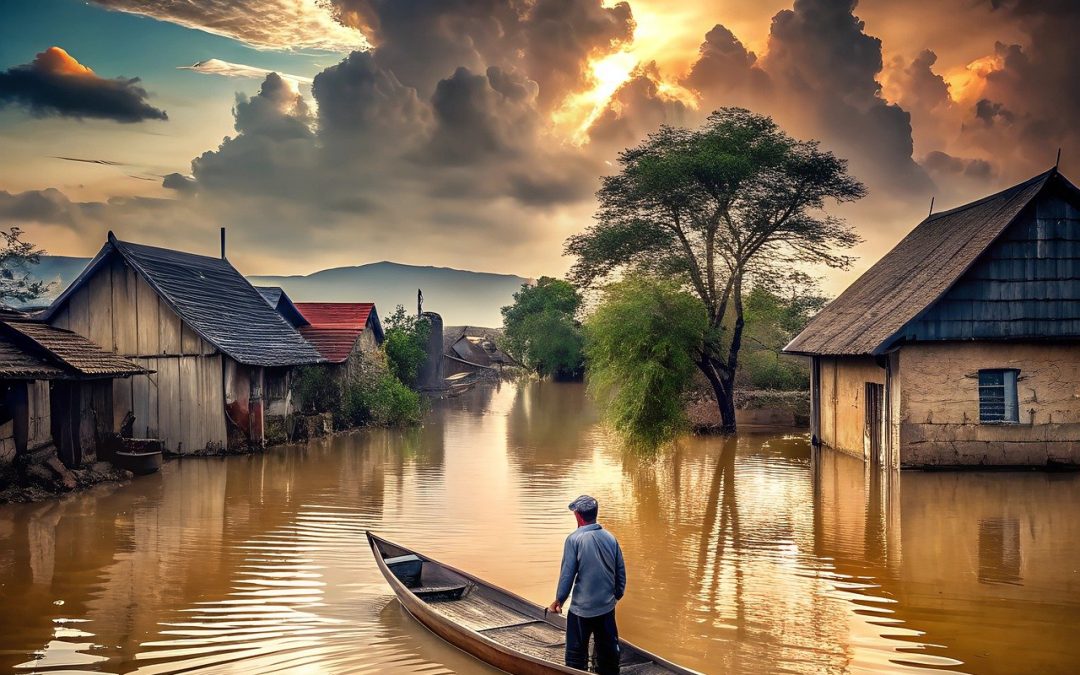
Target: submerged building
point(216, 352)
point(960, 346)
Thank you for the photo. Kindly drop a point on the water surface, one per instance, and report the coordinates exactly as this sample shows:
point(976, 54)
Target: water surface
point(744, 556)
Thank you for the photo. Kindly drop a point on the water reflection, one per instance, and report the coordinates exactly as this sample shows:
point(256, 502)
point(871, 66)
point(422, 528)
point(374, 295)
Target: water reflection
point(745, 555)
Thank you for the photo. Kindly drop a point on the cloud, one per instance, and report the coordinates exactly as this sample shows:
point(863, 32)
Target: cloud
point(943, 164)
point(264, 24)
point(56, 85)
point(229, 69)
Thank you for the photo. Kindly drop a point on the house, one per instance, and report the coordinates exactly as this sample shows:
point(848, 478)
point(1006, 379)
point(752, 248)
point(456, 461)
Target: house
point(217, 350)
point(279, 300)
point(959, 347)
point(55, 390)
point(472, 349)
point(344, 333)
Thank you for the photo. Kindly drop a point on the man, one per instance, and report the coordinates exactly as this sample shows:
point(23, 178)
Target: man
point(592, 565)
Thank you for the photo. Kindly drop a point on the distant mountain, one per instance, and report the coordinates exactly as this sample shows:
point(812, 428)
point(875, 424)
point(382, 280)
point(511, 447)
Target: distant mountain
point(460, 296)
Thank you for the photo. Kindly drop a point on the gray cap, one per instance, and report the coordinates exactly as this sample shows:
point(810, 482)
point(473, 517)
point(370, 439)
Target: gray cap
point(583, 503)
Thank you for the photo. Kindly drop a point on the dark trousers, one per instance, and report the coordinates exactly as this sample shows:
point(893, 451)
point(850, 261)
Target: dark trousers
point(606, 635)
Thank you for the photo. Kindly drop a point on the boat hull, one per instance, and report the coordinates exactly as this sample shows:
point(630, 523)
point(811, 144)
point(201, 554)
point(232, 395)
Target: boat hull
point(480, 646)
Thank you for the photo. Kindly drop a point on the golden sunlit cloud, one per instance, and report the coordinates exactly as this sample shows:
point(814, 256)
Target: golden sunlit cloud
point(967, 84)
point(56, 60)
point(580, 110)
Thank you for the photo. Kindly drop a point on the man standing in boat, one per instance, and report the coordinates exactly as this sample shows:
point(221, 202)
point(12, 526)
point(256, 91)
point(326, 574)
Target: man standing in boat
point(592, 565)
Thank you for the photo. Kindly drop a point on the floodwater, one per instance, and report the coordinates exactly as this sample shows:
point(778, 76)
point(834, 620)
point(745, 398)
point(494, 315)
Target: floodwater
point(744, 556)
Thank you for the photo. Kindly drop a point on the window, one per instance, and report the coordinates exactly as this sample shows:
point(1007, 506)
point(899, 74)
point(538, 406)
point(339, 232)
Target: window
point(997, 396)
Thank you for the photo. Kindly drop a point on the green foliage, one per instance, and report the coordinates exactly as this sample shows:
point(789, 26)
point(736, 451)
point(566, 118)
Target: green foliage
point(776, 310)
point(405, 341)
point(16, 284)
point(315, 390)
point(713, 209)
point(639, 344)
point(540, 329)
point(376, 398)
point(381, 400)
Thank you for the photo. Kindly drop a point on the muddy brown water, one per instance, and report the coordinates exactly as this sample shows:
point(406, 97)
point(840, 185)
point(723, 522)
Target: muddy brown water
point(744, 556)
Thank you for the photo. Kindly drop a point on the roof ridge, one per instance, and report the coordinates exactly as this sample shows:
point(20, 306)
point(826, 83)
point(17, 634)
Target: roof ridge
point(1019, 187)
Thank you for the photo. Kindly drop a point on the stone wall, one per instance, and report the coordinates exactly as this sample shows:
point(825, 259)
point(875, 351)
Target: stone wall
point(939, 406)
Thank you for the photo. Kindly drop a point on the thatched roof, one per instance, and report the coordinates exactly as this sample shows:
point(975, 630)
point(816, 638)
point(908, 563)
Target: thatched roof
point(870, 314)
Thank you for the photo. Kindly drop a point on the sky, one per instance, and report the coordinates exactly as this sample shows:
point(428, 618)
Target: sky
point(473, 133)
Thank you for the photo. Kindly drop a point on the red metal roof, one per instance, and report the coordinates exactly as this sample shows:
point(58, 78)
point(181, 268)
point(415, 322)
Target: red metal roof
point(335, 326)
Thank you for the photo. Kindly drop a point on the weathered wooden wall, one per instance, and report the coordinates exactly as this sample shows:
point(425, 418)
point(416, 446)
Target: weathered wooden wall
point(1026, 285)
point(182, 402)
point(939, 406)
point(842, 414)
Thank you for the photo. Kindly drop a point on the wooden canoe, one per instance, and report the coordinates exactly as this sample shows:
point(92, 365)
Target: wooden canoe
point(493, 625)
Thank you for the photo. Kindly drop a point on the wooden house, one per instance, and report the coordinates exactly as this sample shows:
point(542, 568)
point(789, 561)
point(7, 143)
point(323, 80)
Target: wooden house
point(960, 346)
point(55, 390)
point(344, 333)
point(217, 350)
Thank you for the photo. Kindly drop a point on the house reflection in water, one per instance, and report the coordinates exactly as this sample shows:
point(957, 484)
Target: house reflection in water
point(963, 559)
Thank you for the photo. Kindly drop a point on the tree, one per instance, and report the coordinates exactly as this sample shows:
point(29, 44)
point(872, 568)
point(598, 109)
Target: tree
point(405, 344)
point(713, 208)
point(540, 329)
point(640, 346)
point(777, 308)
point(16, 283)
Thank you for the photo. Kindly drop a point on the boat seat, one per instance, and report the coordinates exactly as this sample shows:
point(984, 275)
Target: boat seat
point(406, 568)
point(442, 593)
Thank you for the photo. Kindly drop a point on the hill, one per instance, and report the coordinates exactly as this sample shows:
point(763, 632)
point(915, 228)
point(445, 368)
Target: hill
point(460, 296)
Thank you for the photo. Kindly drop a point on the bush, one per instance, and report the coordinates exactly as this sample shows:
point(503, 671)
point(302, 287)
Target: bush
point(405, 344)
point(316, 390)
point(638, 352)
point(381, 400)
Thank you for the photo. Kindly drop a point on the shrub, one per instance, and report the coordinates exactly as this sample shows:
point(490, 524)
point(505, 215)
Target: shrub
point(316, 390)
point(381, 400)
point(405, 344)
point(638, 352)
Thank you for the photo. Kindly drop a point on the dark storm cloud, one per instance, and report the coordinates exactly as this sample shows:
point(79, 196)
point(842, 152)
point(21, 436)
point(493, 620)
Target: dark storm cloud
point(725, 68)
point(424, 41)
point(56, 85)
point(944, 164)
point(820, 56)
point(39, 206)
point(179, 182)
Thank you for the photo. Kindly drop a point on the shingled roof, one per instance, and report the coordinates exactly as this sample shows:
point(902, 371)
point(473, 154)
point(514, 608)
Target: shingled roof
point(211, 297)
point(336, 326)
point(280, 300)
point(868, 316)
point(31, 350)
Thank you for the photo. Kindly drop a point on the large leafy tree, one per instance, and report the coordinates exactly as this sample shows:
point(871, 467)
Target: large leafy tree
point(714, 207)
point(541, 330)
point(17, 285)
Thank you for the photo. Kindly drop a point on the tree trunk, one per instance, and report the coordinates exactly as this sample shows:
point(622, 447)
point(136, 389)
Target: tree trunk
point(723, 387)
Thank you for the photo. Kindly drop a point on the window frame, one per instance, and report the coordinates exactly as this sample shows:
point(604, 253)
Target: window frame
point(1009, 387)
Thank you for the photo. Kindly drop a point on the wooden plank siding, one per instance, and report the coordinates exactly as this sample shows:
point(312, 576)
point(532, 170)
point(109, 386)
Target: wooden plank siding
point(1026, 285)
point(182, 401)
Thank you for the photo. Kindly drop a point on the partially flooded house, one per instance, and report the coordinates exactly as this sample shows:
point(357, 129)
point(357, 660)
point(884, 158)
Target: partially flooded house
point(344, 333)
point(959, 347)
point(56, 393)
point(473, 349)
point(217, 352)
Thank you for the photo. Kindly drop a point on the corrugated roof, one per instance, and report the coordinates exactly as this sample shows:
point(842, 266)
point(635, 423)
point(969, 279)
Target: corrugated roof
point(914, 274)
point(214, 299)
point(41, 351)
point(336, 326)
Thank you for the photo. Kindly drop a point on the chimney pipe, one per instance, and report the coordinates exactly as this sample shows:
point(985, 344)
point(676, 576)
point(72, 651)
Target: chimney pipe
point(223, 243)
